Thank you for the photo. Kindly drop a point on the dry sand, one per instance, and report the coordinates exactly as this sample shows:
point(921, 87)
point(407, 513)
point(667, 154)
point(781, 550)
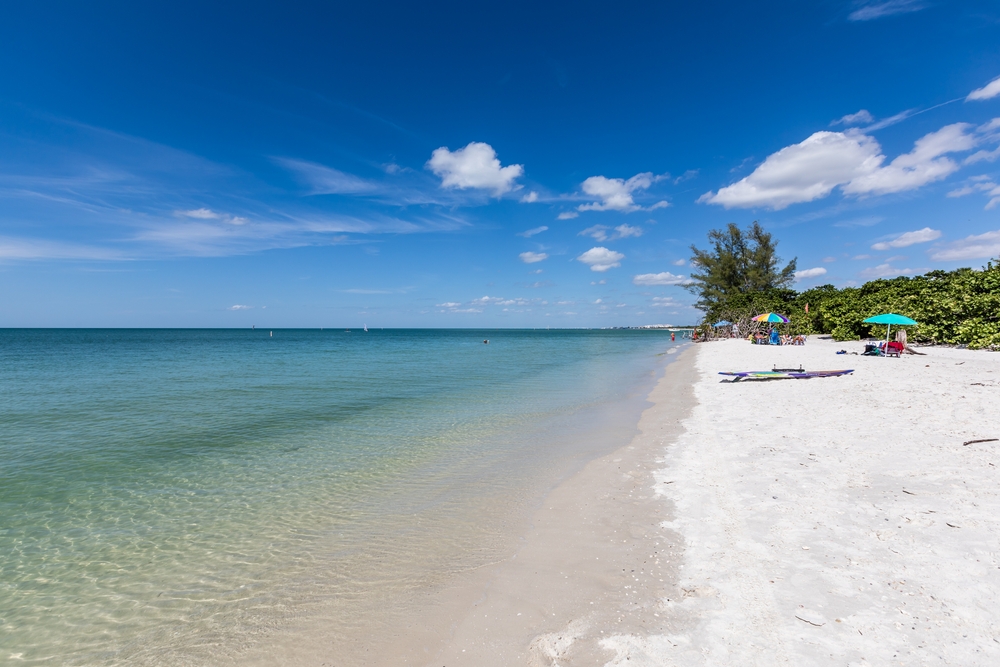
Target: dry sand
point(833, 521)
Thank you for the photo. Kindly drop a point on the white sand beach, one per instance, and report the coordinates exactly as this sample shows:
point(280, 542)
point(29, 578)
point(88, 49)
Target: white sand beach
point(833, 521)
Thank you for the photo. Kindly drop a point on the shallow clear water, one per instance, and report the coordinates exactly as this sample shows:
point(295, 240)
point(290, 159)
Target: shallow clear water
point(172, 496)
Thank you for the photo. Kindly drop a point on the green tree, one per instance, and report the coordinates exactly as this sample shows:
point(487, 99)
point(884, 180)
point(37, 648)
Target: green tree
point(739, 263)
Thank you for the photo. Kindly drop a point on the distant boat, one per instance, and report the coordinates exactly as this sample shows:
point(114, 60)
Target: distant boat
point(366, 328)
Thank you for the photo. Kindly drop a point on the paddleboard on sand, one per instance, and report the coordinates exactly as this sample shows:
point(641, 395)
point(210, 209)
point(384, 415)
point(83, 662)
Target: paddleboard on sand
point(776, 375)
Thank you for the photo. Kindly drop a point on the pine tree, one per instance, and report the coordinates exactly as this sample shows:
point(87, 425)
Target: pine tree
point(740, 262)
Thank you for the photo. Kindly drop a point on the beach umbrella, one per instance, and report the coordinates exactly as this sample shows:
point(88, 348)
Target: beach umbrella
point(722, 323)
point(771, 317)
point(888, 319)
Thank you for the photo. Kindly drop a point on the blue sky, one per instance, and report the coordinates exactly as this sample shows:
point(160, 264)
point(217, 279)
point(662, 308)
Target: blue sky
point(445, 164)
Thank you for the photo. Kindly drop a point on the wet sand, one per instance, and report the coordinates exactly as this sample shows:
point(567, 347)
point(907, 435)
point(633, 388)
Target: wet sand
point(593, 561)
point(832, 521)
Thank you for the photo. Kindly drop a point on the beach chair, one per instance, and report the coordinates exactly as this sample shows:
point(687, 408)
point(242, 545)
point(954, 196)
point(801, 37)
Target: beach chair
point(893, 349)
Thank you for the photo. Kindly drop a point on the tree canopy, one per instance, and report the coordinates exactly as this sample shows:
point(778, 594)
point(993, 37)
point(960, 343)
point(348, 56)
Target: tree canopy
point(739, 263)
point(739, 278)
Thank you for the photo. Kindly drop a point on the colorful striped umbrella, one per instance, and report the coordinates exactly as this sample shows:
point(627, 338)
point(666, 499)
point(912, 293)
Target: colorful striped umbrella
point(771, 317)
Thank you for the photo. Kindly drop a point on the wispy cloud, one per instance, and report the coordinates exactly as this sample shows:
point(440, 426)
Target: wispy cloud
point(13, 248)
point(605, 233)
point(239, 307)
point(533, 257)
point(323, 180)
point(890, 120)
point(528, 233)
point(885, 271)
point(480, 304)
point(987, 92)
point(217, 238)
point(865, 221)
point(869, 10)
point(208, 214)
point(982, 184)
point(664, 278)
point(805, 274)
point(135, 199)
point(925, 235)
point(862, 117)
point(976, 246)
point(376, 290)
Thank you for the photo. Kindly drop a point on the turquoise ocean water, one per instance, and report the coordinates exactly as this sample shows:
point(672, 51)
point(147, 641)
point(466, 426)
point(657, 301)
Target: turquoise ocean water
point(178, 496)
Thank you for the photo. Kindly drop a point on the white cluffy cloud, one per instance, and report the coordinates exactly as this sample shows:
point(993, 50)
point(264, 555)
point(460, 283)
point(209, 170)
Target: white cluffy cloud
point(907, 239)
point(977, 246)
point(810, 273)
point(567, 215)
point(615, 194)
point(600, 232)
point(811, 169)
point(803, 172)
point(533, 257)
point(987, 92)
point(924, 164)
point(665, 278)
point(240, 307)
point(528, 233)
point(601, 259)
point(475, 166)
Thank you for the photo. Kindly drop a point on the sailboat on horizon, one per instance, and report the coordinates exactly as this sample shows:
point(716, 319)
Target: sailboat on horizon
point(366, 328)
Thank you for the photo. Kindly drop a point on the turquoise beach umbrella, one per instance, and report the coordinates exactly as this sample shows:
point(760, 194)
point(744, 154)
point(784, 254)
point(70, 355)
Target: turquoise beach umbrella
point(722, 323)
point(889, 319)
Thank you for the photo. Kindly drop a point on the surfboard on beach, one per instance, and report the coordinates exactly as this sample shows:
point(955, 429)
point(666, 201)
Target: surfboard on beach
point(778, 375)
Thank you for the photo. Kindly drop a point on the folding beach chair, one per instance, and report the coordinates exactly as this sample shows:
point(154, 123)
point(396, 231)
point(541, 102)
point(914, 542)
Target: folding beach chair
point(893, 349)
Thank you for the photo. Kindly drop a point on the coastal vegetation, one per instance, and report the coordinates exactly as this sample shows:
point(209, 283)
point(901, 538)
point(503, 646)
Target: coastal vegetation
point(959, 307)
point(739, 264)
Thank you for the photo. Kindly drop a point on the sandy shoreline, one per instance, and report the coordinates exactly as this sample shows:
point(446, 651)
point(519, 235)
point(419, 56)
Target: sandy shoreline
point(584, 560)
point(835, 521)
